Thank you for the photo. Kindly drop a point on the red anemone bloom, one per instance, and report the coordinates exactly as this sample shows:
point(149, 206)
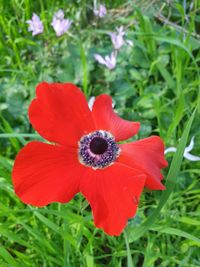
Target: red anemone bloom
point(85, 157)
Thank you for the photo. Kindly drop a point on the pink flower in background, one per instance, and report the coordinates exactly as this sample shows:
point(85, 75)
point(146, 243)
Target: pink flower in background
point(108, 61)
point(186, 154)
point(35, 25)
point(59, 14)
point(101, 12)
point(118, 38)
point(60, 24)
point(91, 102)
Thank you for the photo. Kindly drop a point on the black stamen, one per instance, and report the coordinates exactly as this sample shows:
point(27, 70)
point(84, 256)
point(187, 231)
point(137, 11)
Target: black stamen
point(98, 145)
point(98, 150)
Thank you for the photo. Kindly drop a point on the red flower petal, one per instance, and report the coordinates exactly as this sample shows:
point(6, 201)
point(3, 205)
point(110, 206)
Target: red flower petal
point(113, 194)
point(60, 113)
point(106, 119)
point(45, 173)
point(146, 155)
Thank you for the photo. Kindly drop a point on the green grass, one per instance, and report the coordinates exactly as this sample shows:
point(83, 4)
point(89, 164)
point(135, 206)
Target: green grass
point(156, 82)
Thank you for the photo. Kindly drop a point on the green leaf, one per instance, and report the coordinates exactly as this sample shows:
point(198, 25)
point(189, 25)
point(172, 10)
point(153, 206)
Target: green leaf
point(128, 252)
point(55, 228)
point(8, 258)
point(19, 135)
point(189, 221)
point(174, 231)
point(8, 129)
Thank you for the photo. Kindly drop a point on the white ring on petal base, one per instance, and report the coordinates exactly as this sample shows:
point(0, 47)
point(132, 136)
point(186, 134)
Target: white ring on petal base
point(98, 161)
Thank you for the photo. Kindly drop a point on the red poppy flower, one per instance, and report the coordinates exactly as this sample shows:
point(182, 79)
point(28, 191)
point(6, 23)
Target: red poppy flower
point(85, 157)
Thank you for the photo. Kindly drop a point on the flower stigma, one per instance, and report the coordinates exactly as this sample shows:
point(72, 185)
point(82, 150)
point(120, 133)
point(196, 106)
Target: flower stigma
point(98, 150)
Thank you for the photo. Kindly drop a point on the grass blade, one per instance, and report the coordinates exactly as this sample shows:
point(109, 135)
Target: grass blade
point(129, 257)
point(8, 258)
point(177, 232)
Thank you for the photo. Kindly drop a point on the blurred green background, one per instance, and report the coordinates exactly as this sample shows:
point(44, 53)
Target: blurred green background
point(155, 82)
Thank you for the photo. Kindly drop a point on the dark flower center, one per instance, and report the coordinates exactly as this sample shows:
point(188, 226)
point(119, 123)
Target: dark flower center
point(98, 145)
point(98, 149)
